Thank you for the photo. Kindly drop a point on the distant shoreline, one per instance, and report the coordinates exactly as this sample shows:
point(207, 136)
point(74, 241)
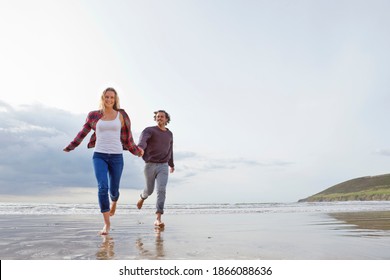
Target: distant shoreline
point(368, 188)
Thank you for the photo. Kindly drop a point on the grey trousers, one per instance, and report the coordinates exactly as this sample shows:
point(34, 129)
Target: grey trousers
point(156, 174)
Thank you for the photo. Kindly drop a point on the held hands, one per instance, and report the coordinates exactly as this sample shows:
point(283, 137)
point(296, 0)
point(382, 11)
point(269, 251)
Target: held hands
point(141, 153)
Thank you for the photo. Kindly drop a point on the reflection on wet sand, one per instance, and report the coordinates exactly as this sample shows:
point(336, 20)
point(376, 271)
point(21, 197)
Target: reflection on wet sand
point(106, 249)
point(365, 220)
point(158, 251)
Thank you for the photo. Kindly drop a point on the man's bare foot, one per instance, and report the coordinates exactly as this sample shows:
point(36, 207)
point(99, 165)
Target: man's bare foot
point(159, 224)
point(113, 208)
point(140, 203)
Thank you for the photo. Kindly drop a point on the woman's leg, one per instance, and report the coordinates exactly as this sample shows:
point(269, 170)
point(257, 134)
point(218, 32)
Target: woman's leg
point(115, 169)
point(107, 223)
point(101, 168)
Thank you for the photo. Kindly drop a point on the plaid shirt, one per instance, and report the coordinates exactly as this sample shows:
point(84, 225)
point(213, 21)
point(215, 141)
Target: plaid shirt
point(90, 123)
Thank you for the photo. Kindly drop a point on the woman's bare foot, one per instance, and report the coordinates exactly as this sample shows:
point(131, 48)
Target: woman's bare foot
point(113, 208)
point(107, 224)
point(105, 230)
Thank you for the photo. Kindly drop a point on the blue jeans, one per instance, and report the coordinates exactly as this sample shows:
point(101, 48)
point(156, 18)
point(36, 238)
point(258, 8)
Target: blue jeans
point(108, 167)
point(156, 173)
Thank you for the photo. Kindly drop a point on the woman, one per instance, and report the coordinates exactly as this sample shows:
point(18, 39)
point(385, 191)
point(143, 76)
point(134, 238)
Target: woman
point(112, 135)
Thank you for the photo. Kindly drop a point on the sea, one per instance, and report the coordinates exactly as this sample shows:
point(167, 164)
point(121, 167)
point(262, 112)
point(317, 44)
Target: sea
point(207, 208)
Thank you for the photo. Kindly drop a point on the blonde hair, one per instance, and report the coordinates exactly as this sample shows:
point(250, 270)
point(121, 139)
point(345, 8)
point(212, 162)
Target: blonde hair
point(116, 104)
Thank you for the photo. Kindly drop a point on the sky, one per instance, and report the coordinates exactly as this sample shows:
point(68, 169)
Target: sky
point(270, 101)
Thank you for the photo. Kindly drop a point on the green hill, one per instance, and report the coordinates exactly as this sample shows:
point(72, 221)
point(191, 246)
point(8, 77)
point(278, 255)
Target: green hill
point(364, 188)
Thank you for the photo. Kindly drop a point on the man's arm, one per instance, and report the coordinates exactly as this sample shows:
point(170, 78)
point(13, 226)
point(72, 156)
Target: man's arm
point(143, 139)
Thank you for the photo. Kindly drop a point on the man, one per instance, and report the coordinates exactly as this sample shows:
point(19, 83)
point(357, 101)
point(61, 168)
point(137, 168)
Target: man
point(157, 143)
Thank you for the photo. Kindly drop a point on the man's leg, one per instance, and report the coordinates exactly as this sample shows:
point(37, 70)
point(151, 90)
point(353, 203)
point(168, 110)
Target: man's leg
point(150, 177)
point(162, 180)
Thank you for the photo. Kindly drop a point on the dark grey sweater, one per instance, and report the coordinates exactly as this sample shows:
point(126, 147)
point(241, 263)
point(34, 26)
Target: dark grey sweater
point(157, 144)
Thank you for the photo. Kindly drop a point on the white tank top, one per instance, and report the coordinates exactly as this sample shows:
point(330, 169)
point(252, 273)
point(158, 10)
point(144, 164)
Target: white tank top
point(108, 136)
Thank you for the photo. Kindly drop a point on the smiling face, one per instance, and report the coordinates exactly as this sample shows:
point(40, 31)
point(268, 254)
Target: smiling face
point(109, 99)
point(161, 119)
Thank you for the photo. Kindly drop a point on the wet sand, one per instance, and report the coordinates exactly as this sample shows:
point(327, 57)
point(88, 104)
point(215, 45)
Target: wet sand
point(267, 236)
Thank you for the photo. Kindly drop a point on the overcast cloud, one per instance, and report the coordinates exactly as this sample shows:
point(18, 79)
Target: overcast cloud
point(270, 100)
point(33, 163)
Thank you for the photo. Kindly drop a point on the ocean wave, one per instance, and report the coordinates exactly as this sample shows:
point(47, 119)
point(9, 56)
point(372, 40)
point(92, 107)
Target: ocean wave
point(176, 209)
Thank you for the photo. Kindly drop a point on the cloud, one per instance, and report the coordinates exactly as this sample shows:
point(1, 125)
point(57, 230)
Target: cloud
point(192, 164)
point(31, 141)
point(184, 155)
point(382, 152)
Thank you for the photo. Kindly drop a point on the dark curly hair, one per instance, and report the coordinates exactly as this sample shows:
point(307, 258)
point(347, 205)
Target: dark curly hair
point(166, 115)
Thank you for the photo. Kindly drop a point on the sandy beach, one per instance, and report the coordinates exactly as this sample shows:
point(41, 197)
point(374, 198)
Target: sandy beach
point(241, 236)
